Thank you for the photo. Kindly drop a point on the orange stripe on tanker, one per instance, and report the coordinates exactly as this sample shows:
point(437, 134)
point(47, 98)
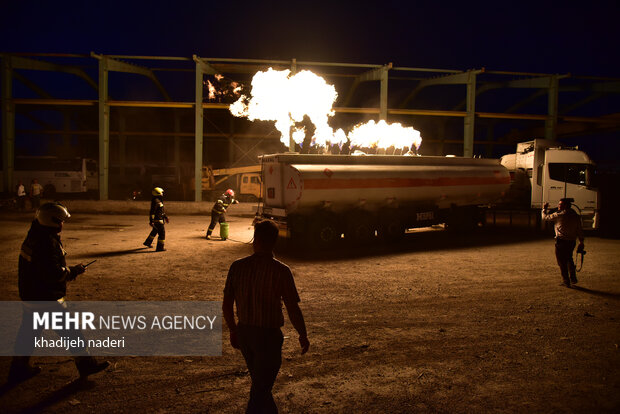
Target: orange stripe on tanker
point(344, 183)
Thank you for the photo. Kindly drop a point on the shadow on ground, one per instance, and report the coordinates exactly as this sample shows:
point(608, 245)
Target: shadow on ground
point(418, 241)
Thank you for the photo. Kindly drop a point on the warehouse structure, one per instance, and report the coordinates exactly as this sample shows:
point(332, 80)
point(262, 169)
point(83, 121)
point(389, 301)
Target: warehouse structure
point(146, 116)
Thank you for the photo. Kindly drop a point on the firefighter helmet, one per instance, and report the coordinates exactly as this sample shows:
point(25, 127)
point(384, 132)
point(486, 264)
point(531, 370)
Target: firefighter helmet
point(158, 191)
point(52, 214)
point(230, 192)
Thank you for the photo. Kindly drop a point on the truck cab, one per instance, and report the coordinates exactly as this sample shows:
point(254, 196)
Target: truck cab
point(554, 173)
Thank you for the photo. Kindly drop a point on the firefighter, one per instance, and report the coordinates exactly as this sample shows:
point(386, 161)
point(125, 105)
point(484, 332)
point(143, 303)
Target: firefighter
point(42, 277)
point(218, 212)
point(157, 217)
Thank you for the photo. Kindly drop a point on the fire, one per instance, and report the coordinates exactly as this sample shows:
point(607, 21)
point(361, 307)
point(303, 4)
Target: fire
point(287, 99)
point(383, 135)
point(212, 90)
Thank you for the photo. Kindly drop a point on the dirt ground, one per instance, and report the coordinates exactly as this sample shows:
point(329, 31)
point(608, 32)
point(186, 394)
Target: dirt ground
point(440, 323)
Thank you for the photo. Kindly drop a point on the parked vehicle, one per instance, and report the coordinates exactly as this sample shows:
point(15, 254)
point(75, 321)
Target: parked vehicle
point(57, 175)
point(246, 181)
point(542, 172)
point(320, 199)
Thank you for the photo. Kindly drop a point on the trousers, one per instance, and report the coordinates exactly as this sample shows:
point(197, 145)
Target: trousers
point(564, 255)
point(215, 218)
point(262, 351)
point(25, 342)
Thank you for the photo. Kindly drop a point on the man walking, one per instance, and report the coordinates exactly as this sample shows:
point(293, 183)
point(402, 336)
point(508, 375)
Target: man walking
point(567, 225)
point(258, 284)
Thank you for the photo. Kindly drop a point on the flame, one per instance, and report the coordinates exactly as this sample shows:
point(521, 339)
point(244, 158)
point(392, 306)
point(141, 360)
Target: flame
point(222, 89)
point(383, 135)
point(286, 99)
point(212, 90)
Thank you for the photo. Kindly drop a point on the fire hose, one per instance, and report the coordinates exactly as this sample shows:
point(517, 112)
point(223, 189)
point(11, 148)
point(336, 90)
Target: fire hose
point(582, 252)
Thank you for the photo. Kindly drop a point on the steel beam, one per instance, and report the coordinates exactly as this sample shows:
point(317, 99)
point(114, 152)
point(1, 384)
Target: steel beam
point(33, 64)
point(383, 99)
point(31, 85)
point(104, 129)
point(198, 129)
point(469, 121)
point(381, 74)
point(119, 66)
point(8, 124)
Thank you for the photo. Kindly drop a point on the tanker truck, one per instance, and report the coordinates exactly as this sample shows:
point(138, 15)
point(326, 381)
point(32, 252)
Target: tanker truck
point(319, 199)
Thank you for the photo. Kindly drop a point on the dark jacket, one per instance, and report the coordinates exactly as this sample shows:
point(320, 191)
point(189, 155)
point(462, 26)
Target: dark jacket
point(157, 213)
point(222, 204)
point(42, 270)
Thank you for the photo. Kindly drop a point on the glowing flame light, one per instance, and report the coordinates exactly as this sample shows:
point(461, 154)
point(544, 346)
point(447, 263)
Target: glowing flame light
point(384, 135)
point(286, 99)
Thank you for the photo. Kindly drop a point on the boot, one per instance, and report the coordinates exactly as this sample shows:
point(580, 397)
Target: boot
point(21, 370)
point(573, 274)
point(160, 246)
point(88, 365)
point(148, 242)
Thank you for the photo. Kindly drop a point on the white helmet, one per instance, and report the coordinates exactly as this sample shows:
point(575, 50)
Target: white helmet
point(52, 214)
point(158, 191)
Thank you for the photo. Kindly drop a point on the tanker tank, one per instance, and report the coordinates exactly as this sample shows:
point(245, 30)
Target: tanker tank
point(377, 194)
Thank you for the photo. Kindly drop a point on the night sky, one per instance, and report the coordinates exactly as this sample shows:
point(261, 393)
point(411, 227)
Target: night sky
point(543, 36)
point(524, 36)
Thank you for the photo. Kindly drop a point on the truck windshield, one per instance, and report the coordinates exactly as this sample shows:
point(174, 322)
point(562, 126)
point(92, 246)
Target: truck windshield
point(580, 174)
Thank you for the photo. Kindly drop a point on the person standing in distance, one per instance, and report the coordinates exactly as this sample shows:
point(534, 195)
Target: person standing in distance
point(35, 193)
point(157, 217)
point(258, 284)
point(567, 226)
point(21, 196)
point(42, 276)
point(218, 212)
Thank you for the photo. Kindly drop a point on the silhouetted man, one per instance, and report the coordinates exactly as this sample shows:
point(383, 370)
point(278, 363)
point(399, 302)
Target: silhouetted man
point(258, 285)
point(567, 225)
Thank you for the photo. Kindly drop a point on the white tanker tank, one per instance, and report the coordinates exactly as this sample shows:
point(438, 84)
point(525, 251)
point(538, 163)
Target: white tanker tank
point(318, 198)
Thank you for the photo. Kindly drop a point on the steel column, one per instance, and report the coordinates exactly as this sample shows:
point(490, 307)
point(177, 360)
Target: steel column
point(468, 133)
point(552, 119)
point(104, 129)
point(383, 98)
point(291, 141)
point(122, 144)
point(8, 125)
point(199, 118)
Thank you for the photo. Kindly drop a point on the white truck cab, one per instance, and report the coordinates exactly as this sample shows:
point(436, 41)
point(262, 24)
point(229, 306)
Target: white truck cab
point(554, 173)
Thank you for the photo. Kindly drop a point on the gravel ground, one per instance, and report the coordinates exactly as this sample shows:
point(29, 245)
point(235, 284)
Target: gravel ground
point(439, 323)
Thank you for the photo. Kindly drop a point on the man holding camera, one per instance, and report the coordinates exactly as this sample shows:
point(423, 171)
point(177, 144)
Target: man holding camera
point(567, 225)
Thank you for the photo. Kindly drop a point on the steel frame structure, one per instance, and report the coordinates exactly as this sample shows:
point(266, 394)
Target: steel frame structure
point(418, 78)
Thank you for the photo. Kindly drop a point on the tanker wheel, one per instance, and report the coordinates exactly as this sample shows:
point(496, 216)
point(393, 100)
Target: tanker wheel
point(360, 229)
point(392, 229)
point(324, 232)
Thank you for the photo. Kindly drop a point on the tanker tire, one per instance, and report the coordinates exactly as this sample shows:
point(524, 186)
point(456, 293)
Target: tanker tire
point(392, 230)
point(360, 229)
point(324, 232)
